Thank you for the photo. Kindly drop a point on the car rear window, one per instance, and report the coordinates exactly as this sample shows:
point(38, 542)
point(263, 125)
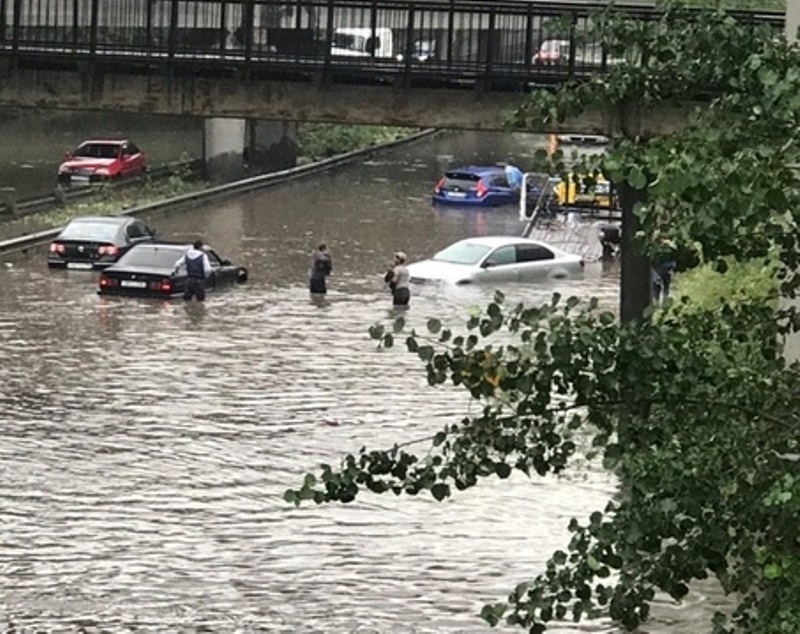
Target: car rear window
point(462, 253)
point(90, 231)
point(461, 180)
point(156, 257)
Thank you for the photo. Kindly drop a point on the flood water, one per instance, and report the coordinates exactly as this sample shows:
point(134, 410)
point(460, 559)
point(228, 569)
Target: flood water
point(145, 446)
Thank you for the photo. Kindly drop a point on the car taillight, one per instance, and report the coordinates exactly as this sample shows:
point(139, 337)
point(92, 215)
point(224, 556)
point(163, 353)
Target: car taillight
point(439, 185)
point(107, 282)
point(165, 286)
point(108, 249)
point(56, 247)
point(481, 190)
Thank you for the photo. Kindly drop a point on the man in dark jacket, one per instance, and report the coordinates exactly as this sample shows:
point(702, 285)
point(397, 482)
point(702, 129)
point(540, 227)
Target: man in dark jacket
point(321, 268)
point(198, 269)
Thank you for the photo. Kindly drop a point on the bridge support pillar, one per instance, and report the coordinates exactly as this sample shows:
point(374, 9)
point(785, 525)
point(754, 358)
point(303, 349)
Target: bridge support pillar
point(271, 145)
point(223, 149)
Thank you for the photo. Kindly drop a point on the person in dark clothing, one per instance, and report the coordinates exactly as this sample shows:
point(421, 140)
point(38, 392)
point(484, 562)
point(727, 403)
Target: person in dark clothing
point(198, 269)
point(666, 273)
point(321, 268)
point(610, 240)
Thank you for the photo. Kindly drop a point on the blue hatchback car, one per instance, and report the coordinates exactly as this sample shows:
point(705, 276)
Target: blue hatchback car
point(479, 186)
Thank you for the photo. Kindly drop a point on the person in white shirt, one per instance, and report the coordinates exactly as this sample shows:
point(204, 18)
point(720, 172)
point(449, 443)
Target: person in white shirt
point(398, 279)
point(198, 270)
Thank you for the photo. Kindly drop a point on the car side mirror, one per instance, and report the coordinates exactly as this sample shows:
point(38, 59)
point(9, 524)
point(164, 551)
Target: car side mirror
point(226, 262)
point(488, 265)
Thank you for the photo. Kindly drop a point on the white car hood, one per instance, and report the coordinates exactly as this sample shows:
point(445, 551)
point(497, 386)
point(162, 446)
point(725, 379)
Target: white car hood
point(430, 270)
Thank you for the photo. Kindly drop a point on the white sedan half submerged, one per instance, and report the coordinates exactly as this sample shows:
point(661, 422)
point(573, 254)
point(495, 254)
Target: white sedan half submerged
point(497, 259)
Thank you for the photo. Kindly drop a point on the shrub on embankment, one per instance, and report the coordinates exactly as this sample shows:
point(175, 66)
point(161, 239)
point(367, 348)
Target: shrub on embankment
point(322, 140)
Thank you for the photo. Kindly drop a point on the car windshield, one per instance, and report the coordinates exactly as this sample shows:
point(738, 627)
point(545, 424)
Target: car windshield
point(462, 253)
point(461, 180)
point(88, 230)
point(152, 256)
point(97, 150)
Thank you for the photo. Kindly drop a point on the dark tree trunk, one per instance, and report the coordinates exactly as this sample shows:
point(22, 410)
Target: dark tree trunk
point(636, 286)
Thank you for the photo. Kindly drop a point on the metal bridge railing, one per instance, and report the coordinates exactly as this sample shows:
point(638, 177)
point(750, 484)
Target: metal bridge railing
point(506, 43)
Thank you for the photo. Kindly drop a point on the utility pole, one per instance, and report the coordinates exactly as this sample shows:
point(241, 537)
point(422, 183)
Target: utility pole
point(791, 349)
point(636, 284)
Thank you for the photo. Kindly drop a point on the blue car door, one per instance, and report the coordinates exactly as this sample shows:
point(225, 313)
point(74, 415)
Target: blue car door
point(502, 193)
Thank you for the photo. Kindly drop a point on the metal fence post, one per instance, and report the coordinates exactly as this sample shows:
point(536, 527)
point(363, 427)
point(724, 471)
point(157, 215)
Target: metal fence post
point(93, 32)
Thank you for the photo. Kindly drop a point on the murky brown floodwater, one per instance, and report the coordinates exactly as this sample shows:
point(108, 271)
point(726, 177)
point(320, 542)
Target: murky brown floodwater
point(145, 446)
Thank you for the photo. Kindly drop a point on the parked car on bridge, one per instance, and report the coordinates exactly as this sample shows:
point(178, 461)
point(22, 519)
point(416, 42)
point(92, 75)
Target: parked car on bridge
point(479, 186)
point(102, 160)
point(552, 52)
point(95, 242)
point(557, 53)
point(364, 42)
point(497, 259)
point(147, 271)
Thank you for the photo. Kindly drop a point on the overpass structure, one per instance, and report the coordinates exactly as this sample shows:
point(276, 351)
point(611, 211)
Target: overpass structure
point(428, 63)
point(254, 68)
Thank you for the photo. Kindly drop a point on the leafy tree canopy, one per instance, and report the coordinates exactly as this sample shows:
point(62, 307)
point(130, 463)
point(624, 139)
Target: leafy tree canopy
point(694, 405)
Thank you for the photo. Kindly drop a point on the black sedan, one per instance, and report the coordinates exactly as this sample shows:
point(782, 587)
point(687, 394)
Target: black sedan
point(147, 271)
point(95, 242)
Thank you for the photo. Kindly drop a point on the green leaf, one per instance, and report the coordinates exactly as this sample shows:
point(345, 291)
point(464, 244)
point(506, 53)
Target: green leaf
point(637, 178)
point(502, 470)
point(434, 326)
point(440, 491)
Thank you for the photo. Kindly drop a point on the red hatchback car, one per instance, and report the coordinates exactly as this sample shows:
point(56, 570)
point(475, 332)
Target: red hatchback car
point(100, 160)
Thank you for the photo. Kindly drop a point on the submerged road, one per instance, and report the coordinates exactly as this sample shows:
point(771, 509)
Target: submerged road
point(145, 446)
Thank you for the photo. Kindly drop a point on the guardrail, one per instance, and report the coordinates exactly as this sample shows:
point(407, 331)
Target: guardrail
point(26, 242)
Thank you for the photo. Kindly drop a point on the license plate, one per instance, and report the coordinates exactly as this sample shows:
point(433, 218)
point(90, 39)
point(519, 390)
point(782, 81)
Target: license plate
point(85, 266)
point(79, 178)
point(456, 195)
point(133, 284)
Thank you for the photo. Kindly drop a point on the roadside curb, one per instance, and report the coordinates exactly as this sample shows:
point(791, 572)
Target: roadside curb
point(23, 243)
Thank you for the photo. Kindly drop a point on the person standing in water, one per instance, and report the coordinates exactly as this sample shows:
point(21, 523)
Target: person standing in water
point(321, 268)
point(198, 269)
point(398, 279)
